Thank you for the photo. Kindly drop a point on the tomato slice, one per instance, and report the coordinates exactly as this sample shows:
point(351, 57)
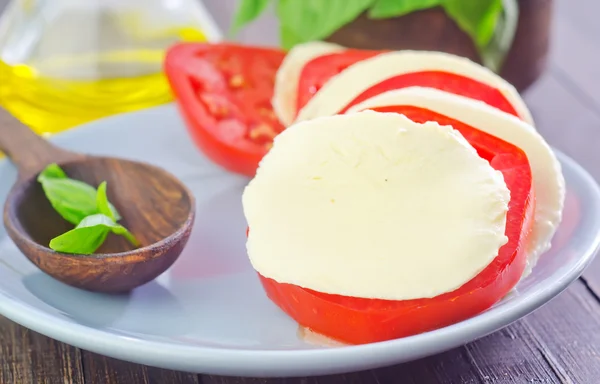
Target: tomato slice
point(359, 320)
point(319, 70)
point(224, 92)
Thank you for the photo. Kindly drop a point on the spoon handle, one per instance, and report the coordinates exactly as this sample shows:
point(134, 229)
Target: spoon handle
point(29, 152)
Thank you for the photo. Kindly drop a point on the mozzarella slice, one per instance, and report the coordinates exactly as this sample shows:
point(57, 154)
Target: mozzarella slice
point(374, 205)
point(288, 75)
point(548, 180)
point(341, 89)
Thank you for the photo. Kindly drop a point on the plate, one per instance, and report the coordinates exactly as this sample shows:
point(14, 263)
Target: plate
point(208, 313)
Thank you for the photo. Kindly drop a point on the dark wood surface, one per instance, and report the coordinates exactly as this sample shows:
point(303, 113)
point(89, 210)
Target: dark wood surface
point(559, 343)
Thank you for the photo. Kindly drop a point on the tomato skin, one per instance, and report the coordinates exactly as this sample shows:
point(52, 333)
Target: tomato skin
point(223, 92)
point(359, 320)
point(319, 70)
point(444, 81)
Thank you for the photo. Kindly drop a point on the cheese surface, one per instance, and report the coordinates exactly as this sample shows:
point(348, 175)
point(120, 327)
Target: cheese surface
point(288, 75)
point(341, 89)
point(374, 205)
point(548, 180)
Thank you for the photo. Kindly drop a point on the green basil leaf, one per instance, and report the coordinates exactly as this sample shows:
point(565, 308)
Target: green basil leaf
point(394, 8)
point(103, 220)
point(102, 202)
point(288, 37)
point(89, 235)
point(247, 11)
point(72, 199)
point(53, 171)
point(81, 241)
point(477, 18)
point(312, 20)
point(494, 53)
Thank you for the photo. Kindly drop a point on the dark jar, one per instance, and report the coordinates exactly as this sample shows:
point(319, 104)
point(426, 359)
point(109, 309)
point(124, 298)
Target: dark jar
point(432, 30)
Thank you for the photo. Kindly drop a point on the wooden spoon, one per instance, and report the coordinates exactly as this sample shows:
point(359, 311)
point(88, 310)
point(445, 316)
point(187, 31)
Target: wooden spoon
point(156, 207)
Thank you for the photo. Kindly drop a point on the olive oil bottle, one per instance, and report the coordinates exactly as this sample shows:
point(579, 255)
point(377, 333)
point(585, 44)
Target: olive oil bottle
point(67, 62)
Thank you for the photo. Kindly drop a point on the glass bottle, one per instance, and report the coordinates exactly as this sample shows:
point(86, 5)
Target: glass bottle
point(66, 62)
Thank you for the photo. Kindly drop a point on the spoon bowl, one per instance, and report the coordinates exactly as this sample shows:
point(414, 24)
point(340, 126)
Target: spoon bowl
point(156, 207)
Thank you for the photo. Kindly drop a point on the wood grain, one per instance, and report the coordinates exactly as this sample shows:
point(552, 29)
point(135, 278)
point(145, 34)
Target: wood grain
point(28, 357)
point(101, 370)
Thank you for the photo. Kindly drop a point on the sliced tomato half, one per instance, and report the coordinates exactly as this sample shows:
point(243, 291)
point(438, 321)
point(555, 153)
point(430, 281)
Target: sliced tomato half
point(319, 70)
point(359, 320)
point(224, 92)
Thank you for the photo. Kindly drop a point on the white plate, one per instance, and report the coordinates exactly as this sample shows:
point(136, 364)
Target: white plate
point(208, 313)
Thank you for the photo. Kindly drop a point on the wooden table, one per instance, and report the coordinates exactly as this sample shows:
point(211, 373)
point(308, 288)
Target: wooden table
point(560, 343)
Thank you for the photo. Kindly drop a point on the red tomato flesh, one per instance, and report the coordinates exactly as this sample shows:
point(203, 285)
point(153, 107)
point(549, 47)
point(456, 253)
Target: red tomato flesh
point(319, 70)
point(224, 92)
point(359, 320)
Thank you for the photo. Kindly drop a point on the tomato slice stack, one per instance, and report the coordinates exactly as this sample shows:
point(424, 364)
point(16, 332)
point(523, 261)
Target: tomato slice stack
point(224, 92)
point(358, 320)
point(318, 71)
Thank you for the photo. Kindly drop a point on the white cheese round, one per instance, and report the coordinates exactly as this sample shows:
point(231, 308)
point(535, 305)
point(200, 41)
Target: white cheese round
point(548, 180)
point(286, 80)
point(341, 89)
point(374, 205)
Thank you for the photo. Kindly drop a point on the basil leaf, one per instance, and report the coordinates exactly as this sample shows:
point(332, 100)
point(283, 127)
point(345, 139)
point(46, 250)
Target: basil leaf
point(53, 171)
point(103, 220)
point(102, 202)
point(288, 37)
point(312, 20)
point(89, 235)
point(394, 8)
point(477, 18)
point(82, 241)
point(247, 11)
point(494, 53)
point(72, 199)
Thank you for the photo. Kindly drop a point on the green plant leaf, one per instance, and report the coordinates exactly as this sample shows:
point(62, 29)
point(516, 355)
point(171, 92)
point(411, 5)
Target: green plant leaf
point(89, 235)
point(494, 53)
point(309, 20)
point(102, 202)
point(395, 8)
point(72, 199)
point(288, 37)
point(477, 18)
point(247, 11)
point(53, 171)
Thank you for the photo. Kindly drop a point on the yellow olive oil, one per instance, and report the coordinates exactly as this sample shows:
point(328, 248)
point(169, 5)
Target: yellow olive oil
point(73, 74)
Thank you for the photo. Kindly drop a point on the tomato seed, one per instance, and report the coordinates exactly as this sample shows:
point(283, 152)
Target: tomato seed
point(262, 130)
point(214, 106)
point(237, 81)
point(267, 113)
